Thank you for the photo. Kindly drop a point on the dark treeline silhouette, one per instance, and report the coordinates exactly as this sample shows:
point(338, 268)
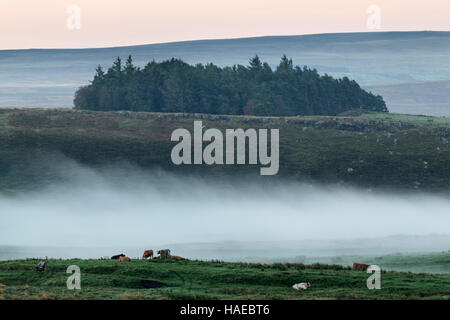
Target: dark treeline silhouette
point(175, 86)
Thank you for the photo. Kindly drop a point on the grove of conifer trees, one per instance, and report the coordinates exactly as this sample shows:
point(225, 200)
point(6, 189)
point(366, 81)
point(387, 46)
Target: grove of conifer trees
point(256, 89)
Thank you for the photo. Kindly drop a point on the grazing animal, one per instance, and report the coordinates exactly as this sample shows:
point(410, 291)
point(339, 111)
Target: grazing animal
point(121, 259)
point(147, 254)
point(41, 266)
point(116, 257)
point(164, 253)
point(360, 266)
point(176, 257)
point(301, 285)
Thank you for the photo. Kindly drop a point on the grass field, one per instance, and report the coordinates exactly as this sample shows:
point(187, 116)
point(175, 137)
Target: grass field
point(111, 279)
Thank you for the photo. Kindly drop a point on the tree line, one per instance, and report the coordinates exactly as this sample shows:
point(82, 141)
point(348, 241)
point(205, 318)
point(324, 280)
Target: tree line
point(256, 89)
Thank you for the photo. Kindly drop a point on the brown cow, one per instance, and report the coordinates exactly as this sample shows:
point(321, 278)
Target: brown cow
point(176, 257)
point(360, 266)
point(121, 259)
point(147, 254)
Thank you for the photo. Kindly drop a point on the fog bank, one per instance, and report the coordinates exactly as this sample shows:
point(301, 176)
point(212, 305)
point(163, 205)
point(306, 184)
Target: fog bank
point(127, 207)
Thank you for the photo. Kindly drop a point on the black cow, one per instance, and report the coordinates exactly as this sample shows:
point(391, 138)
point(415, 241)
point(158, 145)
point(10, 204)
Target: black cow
point(41, 266)
point(164, 253)
point(116, 257)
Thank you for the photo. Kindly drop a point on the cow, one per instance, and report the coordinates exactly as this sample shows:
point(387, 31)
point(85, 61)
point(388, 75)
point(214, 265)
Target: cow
point(121, 259)
point(164, 253)
point(116, 257)
point(176, 257)
point(302, 286)
point(41, 266)
point(360, 266)
point(147, 254)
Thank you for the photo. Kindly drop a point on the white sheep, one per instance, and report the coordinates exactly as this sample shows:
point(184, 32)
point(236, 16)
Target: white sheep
point(302, 285)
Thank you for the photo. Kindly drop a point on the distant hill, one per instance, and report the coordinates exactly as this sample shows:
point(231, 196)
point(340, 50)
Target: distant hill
point(49, 78)
point(428, 98)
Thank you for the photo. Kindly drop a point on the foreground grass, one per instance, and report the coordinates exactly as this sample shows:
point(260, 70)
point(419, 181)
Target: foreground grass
point(110, 279)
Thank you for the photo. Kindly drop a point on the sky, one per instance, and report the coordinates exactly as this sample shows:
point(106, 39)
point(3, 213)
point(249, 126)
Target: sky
point(104, 23)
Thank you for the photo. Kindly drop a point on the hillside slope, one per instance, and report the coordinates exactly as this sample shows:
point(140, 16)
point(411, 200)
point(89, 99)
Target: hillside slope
point(371, 150)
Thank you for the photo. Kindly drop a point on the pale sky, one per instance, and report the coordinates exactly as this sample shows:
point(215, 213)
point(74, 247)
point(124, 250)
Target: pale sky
point(44, 23)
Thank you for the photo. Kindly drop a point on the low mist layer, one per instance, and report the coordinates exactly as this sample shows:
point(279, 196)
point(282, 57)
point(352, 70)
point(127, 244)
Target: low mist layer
point(127, 207)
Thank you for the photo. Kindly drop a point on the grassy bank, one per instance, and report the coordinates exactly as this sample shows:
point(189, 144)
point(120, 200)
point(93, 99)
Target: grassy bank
point(111, 279)
point(370, 150)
